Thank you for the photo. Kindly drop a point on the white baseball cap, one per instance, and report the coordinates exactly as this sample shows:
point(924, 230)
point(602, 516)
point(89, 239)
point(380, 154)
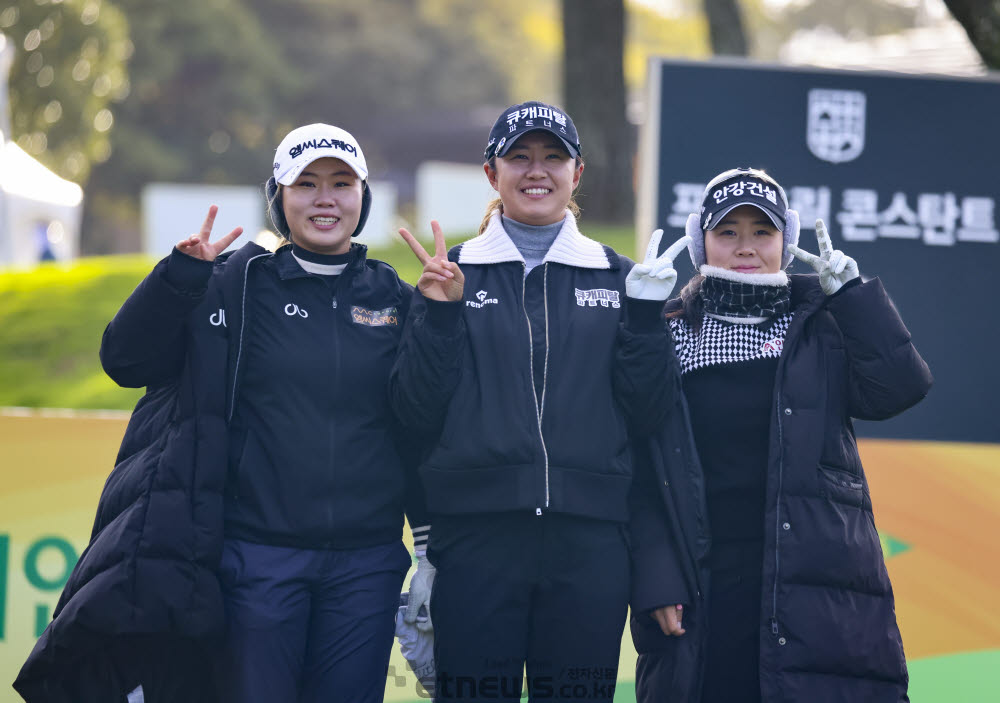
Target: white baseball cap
point(304, 145)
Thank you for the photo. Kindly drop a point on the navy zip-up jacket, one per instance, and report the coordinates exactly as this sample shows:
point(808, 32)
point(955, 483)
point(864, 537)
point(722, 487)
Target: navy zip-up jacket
point(309, 481)
point(466, 372)
point(313, 459)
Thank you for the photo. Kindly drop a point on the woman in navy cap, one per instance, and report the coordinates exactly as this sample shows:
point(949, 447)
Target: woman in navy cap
point(530, 357)
point(792, 601)
point(264, 441)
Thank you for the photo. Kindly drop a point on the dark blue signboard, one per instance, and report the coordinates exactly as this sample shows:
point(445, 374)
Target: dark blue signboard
point(904, 170)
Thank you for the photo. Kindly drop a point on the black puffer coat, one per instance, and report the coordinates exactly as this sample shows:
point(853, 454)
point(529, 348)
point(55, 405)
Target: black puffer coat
point(827, 620)
point(157, 537)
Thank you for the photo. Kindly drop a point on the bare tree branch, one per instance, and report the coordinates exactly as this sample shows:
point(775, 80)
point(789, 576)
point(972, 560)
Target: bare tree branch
point(981, 20)
point(594, 89)
point(725, 27)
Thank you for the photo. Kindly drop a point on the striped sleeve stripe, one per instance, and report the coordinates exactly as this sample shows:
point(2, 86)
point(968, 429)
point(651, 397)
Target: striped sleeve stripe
point(420, 536)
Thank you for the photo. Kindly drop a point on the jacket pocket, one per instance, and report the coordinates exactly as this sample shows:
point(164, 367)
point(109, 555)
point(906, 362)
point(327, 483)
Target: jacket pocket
point(841, 486)
point(230, 566)
point(237, 448)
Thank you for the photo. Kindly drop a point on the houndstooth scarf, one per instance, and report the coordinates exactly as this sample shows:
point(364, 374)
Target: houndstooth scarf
point(746, 298)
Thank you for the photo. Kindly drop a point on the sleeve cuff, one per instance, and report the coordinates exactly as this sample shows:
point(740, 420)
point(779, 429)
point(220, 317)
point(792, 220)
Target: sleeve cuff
point(643, 316)
point(853, 283)
point(187, 273)
point(421, 534)
point(443, 316)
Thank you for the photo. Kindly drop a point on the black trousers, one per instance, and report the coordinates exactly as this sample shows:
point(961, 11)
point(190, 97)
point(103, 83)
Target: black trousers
point(732, 654)
point(518, 592)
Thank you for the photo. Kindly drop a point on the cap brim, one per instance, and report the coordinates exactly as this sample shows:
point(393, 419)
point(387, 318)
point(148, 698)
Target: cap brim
point(778, 221)
point(289, 176)
point(510, 142)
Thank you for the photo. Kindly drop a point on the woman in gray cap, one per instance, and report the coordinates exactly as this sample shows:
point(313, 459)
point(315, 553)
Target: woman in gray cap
point(792, 601)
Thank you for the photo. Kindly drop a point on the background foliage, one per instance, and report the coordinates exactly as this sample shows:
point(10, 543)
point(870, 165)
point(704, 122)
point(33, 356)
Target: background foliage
point(70, 67)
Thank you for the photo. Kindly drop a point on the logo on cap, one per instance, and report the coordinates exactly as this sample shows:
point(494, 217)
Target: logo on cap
point(835, 131)
point(305, 144)
point(296, 150)
point(526, 117)
point(742, 187)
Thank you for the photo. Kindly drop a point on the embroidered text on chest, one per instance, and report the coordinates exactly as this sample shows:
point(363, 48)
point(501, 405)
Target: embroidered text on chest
point(725, 343)
point(594, 296)
point(374, 318)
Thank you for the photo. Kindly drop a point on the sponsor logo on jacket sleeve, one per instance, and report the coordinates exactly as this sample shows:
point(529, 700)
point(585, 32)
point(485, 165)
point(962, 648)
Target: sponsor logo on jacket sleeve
point(389, 317)
point(592, 297)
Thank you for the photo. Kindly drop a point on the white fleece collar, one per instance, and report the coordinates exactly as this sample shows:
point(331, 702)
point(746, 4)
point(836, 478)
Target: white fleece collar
point(759, 279)
point(570, 247)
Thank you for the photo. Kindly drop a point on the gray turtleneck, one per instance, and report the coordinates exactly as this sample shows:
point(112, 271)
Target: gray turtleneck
point(532, 241)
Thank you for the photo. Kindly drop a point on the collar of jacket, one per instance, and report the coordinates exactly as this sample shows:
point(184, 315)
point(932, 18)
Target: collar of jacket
point(570, 247)
point(288, 268)
point(806, 295)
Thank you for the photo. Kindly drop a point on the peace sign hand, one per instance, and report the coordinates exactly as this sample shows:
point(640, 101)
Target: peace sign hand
point(835, 268)
point(198, 246)
point(441, 279)
point(655, 277)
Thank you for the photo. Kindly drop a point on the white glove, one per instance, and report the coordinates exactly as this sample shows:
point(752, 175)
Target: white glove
point(420, 594)
point(835, 268)
point(655, 277)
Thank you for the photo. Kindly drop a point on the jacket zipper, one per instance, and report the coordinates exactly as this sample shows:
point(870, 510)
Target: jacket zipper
point(777, 502)
point(334, 389)
point(545, 374)
point(531, 369)
point(239, 344)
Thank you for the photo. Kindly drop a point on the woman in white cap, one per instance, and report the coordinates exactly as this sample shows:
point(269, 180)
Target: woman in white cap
point(792, 601)
point(532, 354)
point(265, 440)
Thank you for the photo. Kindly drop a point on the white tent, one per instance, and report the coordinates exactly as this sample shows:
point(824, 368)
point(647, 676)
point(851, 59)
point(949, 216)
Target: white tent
point(39, 211)
point(42, 211)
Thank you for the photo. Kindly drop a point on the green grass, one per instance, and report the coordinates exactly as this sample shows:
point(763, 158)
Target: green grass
point(52, 318)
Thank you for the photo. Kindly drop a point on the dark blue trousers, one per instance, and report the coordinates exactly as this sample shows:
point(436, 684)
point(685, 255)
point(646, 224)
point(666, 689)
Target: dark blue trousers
point(517, 592)
point(308, 625)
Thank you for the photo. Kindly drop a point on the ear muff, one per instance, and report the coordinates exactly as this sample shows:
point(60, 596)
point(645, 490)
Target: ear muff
point(696, 247)
point(790, 236)
point(275, 210)
point(366, 206)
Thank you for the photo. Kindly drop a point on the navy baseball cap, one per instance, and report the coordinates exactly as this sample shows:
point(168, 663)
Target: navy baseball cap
point(518, 120)
point(743, 186)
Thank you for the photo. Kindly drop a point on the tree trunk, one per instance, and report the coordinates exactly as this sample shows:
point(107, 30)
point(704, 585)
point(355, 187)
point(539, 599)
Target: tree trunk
point(725, 27)
point(594, 90)
point(981, 20)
